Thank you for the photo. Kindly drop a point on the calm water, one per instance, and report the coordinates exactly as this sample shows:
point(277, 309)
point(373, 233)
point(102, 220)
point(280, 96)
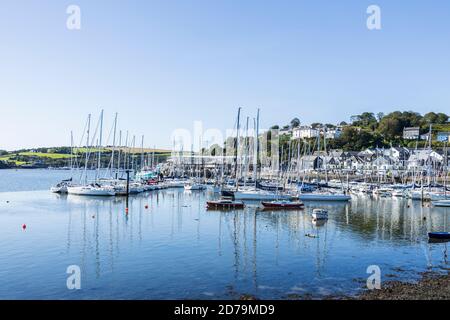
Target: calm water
point(176, 249)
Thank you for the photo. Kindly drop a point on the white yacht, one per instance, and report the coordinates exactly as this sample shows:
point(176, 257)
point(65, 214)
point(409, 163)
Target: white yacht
point(91, 190)
point(194, 186)
point(441, 203)
point(260, 195)
point(324, 196)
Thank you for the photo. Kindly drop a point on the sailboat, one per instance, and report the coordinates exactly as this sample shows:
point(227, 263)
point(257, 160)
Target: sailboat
point(92, 189)
point(323, 195)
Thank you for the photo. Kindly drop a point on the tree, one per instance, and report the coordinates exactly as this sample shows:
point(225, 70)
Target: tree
point(295, 123)
point(380, 116)
point(353, 138)
point(430, 118)
point(365, 120)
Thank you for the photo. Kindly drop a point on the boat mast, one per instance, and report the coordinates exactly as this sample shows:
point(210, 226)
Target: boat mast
point(256, 150)
point(71, 152)
point(142, 152)
point(87, 149)
point(99, 146)
point(114, 145)
point(237, 149)
point(120, 151)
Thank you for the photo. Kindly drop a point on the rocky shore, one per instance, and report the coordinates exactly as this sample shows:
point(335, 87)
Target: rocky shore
point(432, 286)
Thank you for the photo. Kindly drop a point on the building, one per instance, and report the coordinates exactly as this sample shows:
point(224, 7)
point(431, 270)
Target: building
point(333, 133)
point(411, 133)
point(443, 136)
point(304, 132)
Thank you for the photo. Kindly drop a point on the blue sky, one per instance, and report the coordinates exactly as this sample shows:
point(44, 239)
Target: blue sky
point(164, 64)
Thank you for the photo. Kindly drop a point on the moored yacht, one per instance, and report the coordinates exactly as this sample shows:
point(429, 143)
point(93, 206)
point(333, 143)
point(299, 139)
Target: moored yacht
point(324, 196)
point(91, 190)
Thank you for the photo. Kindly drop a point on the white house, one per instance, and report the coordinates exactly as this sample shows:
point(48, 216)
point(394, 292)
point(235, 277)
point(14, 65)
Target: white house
point(333, 133)
point(304, 132)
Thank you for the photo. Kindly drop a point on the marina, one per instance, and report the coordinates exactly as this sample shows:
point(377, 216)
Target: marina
point(220, 150)
point(159, 244)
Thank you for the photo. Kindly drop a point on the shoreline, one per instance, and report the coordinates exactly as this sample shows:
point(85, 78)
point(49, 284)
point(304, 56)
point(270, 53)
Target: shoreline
point(432, 285)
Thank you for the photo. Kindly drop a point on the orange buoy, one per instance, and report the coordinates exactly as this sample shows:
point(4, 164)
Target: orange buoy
point(24, 226)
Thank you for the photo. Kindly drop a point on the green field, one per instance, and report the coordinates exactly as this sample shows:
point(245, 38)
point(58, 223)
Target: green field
point(16, 162)
point(45, 155)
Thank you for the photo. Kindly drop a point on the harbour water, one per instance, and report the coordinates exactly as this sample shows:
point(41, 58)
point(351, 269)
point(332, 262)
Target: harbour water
point(176, 249)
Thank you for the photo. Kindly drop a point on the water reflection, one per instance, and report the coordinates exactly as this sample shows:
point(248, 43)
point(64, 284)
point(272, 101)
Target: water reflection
point(169, 242)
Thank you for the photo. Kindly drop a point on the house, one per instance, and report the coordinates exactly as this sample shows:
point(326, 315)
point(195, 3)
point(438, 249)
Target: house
point(285, 130)
point(304, 132)
point(382, 163)
point(333, 133)
point(310, 163)
point(423, 157)
point(411, 133)
point(443, 136)
point(399, 153)
point(332, 162)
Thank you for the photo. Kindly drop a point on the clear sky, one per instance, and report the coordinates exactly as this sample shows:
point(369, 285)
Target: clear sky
point(164, 64)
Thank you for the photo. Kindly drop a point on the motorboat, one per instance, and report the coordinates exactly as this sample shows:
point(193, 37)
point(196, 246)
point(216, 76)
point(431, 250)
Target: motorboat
point(441, 203)
point(439, 235)
point(320, 214)
point(225, 203)
point(283, 204)
point(61, 187)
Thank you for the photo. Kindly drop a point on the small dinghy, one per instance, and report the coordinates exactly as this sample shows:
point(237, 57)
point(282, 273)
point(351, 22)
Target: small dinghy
point(441, 203)
point(320, 214)
point(224, 203)
point(283, 204)
point(439, 235)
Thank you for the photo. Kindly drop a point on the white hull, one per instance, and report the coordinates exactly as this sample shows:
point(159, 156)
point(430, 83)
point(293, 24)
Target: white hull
point(319, 214)
point(91, 191)
point(257, 195)
point(175, 183)
point(62, 189)
point(441, 203)
point(192, 187)
point(323, 197)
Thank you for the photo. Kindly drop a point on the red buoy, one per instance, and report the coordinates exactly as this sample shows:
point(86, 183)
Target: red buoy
point(146, 206)
point(126, 210)
point(24, 226)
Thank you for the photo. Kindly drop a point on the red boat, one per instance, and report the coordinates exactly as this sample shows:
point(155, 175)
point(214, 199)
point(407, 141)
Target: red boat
point(283, 204)
point(224, 204)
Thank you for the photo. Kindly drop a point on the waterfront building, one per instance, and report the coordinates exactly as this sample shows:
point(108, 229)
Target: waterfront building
point(304, 132)
point(411, 133)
